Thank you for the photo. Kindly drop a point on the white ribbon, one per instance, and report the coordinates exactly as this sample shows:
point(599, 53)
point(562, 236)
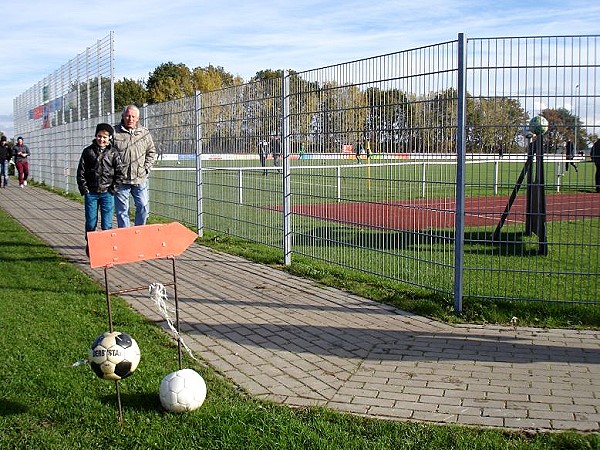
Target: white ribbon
point(158, 294)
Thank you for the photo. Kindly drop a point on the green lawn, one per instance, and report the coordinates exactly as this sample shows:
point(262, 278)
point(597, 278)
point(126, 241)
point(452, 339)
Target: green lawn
point(49, 315)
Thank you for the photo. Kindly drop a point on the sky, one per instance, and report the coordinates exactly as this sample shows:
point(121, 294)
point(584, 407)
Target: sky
point(245, 37)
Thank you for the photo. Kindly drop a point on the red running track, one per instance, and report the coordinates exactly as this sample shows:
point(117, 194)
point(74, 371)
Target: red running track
point(439, 213)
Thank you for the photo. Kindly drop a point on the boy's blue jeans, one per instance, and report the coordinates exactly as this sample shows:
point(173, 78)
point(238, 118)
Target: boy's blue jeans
point(94, 202)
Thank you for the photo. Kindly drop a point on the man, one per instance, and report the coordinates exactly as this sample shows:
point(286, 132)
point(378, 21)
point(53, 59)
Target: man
point(21, 152)
point(276, 151)
point(263, 150)
point(137, 151)
point(595, 154)
point(5, 156)
point(570, 155)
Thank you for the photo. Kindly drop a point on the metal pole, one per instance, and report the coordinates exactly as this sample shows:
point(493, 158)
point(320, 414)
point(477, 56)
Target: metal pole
point(108, 308)
point(177, 315)
point(459, 227)
point(198, 142)
point(287, 195)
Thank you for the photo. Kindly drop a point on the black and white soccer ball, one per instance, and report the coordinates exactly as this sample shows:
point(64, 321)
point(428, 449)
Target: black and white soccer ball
point(183, 390)
point(538, 125)
point(114, 356)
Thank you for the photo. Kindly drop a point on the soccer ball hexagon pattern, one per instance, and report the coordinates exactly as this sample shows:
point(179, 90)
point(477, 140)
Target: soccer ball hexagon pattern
point(114, 356)
point(538, 125)
point(183, 390)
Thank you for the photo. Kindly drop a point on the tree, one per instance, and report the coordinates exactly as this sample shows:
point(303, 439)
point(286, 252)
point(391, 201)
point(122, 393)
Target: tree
point(211, 78)
point(563, 127)
point(130, 92)
point(494, 124)
point(267, 74)
point(169, 81)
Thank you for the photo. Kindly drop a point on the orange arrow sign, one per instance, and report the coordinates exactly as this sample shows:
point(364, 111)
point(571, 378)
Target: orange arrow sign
point(139, 243)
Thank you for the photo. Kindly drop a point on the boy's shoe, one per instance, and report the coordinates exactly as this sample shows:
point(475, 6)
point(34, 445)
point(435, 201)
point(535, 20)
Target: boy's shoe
point(24, 182)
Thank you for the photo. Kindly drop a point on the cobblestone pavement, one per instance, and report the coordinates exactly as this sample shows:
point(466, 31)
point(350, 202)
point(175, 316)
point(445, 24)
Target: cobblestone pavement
point(292, 341)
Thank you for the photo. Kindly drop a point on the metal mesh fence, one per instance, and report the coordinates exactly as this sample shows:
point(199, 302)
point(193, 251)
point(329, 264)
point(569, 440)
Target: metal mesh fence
point(373, 166)
point(559, 258)
point(81, 89)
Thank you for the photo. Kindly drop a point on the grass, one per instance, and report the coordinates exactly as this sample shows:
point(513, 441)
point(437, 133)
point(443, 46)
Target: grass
point(476, 309)
point(50, 312)
point(423, 302)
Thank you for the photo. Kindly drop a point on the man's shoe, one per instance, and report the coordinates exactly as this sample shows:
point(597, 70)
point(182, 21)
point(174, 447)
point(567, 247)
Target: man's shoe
point(24, 182)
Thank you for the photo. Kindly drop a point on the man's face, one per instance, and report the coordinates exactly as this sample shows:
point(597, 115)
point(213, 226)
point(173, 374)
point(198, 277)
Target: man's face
point(131, 118)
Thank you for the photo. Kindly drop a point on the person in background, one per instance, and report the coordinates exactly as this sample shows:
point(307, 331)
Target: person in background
point(570, 154)
point(263, 151)
point(358, 151)
point(595, 154)
point(276, 151)
point(22, 153)
point(5, 156)
point(136, 148)
point(99, 175)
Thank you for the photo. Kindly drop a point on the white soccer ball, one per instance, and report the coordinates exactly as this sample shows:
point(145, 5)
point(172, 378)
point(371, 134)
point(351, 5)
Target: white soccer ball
point(538, 125)
point(114, 356)
point(183, 390)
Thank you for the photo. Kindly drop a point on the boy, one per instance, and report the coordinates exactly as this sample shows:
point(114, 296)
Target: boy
point(99, 175)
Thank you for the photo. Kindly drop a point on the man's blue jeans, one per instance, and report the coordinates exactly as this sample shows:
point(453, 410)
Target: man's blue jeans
point(141, 200)
point(105, 203)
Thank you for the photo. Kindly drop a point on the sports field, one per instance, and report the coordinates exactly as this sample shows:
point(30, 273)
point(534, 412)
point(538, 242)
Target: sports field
point(396, 221)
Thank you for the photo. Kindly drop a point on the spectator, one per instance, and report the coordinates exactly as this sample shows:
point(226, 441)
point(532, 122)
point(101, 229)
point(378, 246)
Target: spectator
point(570, 154)
point(5, 157)
point(358, 150)
point(99, 175)
point(137, 151)
point(22, 153)
point(595, 154)
point(276, 151)
point(263, 151)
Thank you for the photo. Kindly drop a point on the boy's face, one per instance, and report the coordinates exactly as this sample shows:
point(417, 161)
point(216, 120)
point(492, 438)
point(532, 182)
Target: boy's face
point(102, 138)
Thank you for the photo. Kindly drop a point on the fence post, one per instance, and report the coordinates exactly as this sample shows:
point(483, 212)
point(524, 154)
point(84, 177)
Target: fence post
point(198, 142)
point(287, 194)
point(496, 178)
point(459, 226)
point(339, 183)
point(424, 180)
point(240, 187)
